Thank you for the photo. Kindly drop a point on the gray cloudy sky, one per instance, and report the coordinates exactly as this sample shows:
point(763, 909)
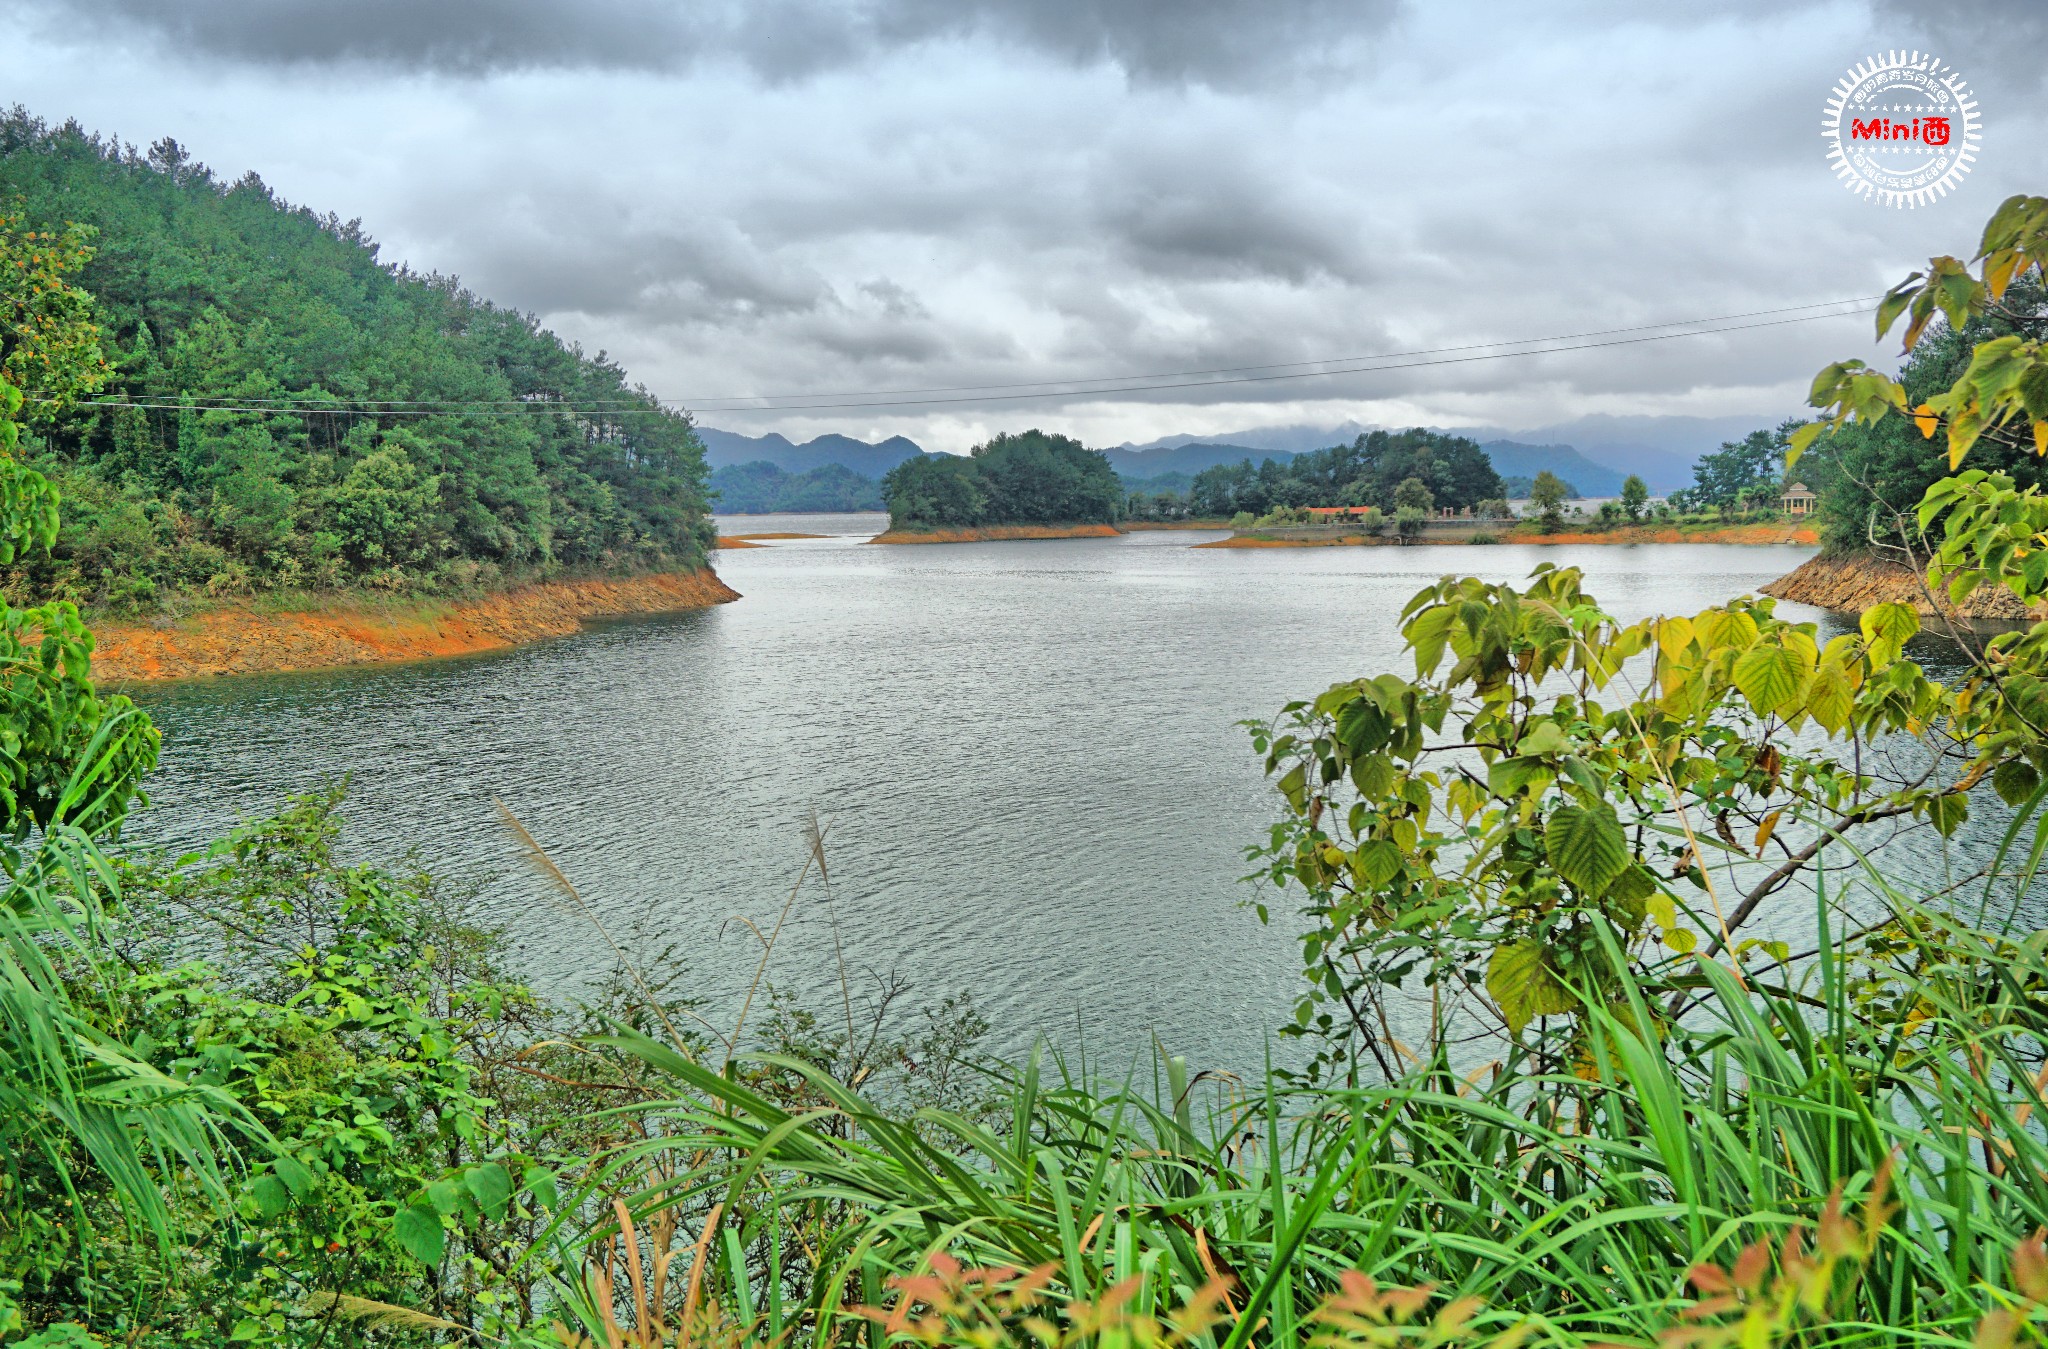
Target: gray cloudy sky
point(800, 195)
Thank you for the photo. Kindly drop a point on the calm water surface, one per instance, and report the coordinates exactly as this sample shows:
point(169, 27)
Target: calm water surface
point(1027, 756)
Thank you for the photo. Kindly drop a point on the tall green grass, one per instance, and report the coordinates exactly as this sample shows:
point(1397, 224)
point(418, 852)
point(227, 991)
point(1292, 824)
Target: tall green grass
point(1575, 1200)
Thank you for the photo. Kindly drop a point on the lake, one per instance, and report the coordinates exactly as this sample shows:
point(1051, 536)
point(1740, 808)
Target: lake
point(1027, 757)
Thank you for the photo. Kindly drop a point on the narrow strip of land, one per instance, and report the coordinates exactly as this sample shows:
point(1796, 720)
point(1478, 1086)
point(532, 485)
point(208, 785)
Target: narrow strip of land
point(244, 639)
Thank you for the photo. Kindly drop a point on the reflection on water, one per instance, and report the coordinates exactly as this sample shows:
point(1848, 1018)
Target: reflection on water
point(1026, 755)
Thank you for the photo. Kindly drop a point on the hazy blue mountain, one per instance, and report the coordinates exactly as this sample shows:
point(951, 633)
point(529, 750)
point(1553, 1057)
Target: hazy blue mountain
point(1189, 458)
point(1177, 483)
point(1513, 459)
point(724, 449)
point(1661, 449)
point(1268, 442)
point(760, 487)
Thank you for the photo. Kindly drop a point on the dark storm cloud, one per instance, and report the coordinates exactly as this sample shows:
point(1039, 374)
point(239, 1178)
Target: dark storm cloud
point(1217, 41)
point(1997, 41)
point(1188, 221)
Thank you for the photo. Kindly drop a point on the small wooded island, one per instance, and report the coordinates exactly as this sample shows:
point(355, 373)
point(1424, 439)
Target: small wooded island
point(1030, 486)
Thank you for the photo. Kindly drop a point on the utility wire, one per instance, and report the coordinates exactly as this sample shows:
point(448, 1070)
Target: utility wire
point(640, 404)
point(1121, 384)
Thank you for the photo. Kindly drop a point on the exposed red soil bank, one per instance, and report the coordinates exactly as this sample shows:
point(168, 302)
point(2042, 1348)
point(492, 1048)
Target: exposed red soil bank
point(988, 533)
point(1855, 581)
point(735, 541)
point(242, 640)
point(750, 537)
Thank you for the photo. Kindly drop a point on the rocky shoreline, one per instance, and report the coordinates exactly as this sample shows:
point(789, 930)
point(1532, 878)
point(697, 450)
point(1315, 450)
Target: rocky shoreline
point(1853, 582)
point(241, 639)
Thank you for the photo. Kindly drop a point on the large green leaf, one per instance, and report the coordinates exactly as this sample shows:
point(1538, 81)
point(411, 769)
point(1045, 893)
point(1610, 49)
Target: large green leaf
point(1772, 677)
point(1586, 846)
point(1363, 727)
point(2015, 781)
point(1523, 984)
point(1507, 777)
point(1379, 861)
point(1627, 899)
point(1829, 698)
point(1886, 627)
point(492, 1186)
point(418, 1230)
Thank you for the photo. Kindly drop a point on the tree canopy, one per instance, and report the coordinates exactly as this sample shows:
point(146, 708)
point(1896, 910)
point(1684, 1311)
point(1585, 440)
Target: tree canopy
point(291, 411)
point(1870, 476)
point(1034, 478)
point(1741, 474)
point(1456, 472)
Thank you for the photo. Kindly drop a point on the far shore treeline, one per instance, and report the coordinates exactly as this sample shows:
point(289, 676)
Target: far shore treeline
point(299, 414)
point(1369, 471)
point(1040, 478)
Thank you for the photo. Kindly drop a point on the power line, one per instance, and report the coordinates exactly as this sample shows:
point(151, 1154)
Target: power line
point(1326, 360)
point(1039, 389)
point(531, 402)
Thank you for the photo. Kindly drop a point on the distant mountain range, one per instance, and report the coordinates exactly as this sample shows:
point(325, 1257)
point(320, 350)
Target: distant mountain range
point(1591, 453)
point(723, 449)
point(1512, 459)
point(1190, 459)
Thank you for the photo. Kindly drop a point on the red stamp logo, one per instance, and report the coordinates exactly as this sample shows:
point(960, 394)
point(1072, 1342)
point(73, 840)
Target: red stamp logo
point(1902, 129)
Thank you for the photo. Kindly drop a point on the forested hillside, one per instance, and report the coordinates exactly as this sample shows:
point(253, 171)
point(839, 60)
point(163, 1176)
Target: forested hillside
point(1366, 472)
point(289, 411)
point(761, 487)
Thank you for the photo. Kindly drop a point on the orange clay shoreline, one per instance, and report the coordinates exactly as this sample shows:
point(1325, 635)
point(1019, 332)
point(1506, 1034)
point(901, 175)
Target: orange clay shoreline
point(237, 639)
point(990, 533)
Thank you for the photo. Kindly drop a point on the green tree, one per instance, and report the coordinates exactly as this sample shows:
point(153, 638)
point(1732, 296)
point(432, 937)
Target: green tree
point(935, 490)
point(1635, 497)
point(1870, 477)
point(385, 510)
point(1741, 469)
point(1021, 479)
point(1039, 478)
point(1414, 494)
point(1548, 494)
point(49, 345)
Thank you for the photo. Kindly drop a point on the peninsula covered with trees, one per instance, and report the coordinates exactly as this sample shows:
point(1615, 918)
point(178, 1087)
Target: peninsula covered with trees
point(269, 406)
point(1367, 472)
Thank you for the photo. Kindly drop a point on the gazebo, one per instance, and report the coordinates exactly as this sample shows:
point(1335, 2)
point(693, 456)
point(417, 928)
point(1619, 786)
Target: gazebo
point(1797, 499)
